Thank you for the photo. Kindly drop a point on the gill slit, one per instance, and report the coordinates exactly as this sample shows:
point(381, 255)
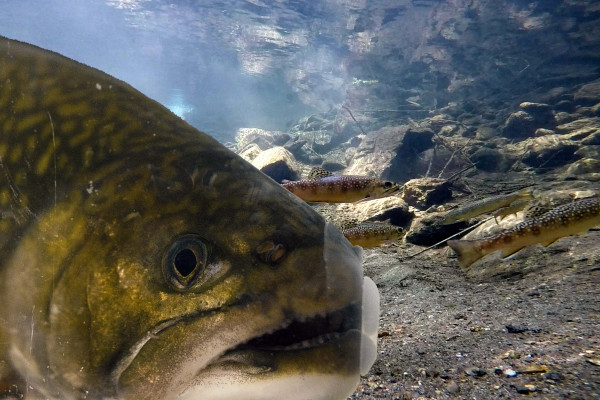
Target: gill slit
point(124, 362)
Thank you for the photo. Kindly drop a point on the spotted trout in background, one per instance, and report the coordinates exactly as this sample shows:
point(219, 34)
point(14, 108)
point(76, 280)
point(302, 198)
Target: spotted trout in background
point(369, 235)
point(324, 187)
point(488, 204)
point(559, 222)
point(130, 271)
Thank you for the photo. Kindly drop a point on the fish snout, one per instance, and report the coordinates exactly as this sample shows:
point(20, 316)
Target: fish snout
point(343, 263)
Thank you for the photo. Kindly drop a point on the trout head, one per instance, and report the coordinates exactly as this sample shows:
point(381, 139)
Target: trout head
point(378, 189)
point(172, 278)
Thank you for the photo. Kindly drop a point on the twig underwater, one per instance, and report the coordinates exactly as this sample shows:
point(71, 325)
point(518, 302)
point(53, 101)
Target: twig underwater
point(462, 232)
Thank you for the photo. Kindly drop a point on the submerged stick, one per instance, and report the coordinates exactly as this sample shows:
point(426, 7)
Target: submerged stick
point(445, 240)
point(460, 172)
point(350, 112)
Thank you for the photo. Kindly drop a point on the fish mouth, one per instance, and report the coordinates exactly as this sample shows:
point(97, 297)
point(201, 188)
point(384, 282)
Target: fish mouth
point(344, 335)
point(346, 339)
point(306, 333)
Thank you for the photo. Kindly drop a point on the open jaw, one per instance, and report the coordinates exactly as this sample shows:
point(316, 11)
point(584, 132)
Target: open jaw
point(355, 321)
point(305, 333)
point(314, 358)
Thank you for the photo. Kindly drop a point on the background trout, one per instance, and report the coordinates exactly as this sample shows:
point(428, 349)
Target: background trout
point(341, 189)
point(129, 271)
point(369, 235)
point(559, 222)
point(488, 204)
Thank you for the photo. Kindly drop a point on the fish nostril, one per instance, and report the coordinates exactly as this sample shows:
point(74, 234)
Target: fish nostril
point(271, 252)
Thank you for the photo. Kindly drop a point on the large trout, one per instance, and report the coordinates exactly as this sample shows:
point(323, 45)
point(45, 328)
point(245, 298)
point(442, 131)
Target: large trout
point(141, 259)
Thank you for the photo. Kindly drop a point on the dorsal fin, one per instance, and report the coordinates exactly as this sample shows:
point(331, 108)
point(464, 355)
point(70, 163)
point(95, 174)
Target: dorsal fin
point(317, 173)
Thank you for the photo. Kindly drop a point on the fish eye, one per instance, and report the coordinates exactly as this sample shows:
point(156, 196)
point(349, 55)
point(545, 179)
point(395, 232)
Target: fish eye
point(184, 261)
point(388, 185)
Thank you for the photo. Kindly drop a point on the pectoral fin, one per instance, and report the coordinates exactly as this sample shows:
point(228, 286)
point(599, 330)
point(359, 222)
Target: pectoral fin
point(510, 251)
point(548, 243)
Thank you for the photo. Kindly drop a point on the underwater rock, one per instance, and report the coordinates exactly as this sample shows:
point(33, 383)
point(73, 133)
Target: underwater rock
point(485, 133)
point(437, 122)
point(376, 151)
point(390, 208)
point(584, 169)
point(250, 152)
point(315, 122)
point(349, 154)
point(542, 114)
point(294, 145)
point(582, 124)
point(449, 130)
point(324, 132)
point(319, 141)
point(392, 152)
point(333, 162)
point(593, 139)
point(278, 163)
point(590, 151)
point(544, 132)
point(523, 124)
point(490, 160)
point(429, 230)
point(422, 193)
point(564, 106)
point(588, 94)
point(263, 138)
point(564, 117)
point(519, 125)
point(547, 151)
point(587, 112)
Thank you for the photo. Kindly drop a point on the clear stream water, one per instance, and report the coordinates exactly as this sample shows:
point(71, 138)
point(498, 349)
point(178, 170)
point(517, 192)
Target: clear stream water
point(220, 65)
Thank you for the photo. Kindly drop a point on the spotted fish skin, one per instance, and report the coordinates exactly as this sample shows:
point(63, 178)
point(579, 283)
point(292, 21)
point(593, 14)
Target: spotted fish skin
point(341, 189)
point(117, 277)
point(372, 235)
point(318, 173)
point(568, 219)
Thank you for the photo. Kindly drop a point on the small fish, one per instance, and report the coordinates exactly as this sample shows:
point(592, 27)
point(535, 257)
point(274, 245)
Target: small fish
point(512, 208)
point(372, 235)
point(317, 173)
point(129, 271)
point(486, 205)
point(559, 222)
point(342, 189)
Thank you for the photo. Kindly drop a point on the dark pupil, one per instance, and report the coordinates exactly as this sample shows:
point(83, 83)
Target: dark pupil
point(185, 262)
point(387, 185)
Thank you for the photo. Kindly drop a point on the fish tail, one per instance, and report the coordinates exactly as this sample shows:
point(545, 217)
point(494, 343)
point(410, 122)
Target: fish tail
point(468, 252)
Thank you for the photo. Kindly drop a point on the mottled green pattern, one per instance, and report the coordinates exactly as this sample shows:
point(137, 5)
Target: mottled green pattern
point(97, 182)
point(67, 127)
